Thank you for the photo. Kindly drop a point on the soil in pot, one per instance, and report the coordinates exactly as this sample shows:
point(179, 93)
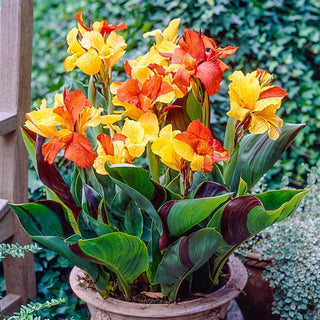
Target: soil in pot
point(212, 306)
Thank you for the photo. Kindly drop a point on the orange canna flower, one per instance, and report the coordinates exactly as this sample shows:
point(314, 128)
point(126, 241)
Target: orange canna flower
point(191, 59)
point(65, 125)
point(199, 147)
point(133, 95)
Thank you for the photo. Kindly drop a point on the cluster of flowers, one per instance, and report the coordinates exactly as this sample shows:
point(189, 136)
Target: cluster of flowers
point(150, 105)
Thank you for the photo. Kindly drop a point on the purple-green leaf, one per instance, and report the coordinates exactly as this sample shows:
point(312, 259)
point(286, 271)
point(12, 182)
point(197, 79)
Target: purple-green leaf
point(91, 201)
point(51, 177)
point(43, 218)
point(234, 227)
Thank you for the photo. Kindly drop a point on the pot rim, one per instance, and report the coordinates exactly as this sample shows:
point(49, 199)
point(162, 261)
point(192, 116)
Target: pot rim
point(235, 284)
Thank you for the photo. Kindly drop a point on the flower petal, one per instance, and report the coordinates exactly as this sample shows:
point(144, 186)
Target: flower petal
point(51, 149)
point(210, 75)
point(79, 150)
point(89, 62)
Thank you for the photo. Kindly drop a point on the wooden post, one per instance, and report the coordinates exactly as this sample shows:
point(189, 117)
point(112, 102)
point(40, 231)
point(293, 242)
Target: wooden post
point(16, 27)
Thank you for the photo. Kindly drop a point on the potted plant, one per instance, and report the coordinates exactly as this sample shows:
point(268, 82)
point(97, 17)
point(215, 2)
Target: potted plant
point(156, 202)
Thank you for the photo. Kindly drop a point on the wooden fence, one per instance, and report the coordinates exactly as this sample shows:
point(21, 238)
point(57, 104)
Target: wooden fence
point(16, 27)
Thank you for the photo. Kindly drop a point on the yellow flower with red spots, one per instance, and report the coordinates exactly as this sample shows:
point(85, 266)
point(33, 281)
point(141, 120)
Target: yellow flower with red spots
point(163, 147)
point(94, 49)
point(255, 101)
point(126, 144)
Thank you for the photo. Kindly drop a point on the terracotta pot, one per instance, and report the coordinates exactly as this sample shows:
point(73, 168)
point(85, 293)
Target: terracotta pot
point(213, 306)
point(256, 302)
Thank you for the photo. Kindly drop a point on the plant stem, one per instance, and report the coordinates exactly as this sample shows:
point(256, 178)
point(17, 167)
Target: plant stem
point(153, 163)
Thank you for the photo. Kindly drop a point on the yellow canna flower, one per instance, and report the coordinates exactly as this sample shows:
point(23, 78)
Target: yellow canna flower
point(112, 150)
point(166, 39)
point(43, 121)
point(163, 147)
point(127, 144)
point(136, 140)
point(165, 44)
point(93, 48)
point(254, 101)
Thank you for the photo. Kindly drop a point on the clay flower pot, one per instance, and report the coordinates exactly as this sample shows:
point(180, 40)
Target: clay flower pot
point(213, 306)
point(256, 302)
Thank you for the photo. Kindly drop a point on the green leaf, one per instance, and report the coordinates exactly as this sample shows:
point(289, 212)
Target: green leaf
point(45, 217)
point(187, 213)
point(134, 220)
point(242, 188)
point(123, 254)
point(91, 228)
point(76, 186)
point(139, 180)
point(29, 139)
point(184, 257)
point(257, 154)
point(193, 108)
point(155, 255)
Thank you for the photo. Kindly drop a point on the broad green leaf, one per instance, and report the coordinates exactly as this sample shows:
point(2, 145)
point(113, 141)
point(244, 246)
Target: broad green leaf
point(257, 154)
point(184, 257)
point(139, 180)
point(187, 213)
point(123, 254)
point(44, 217)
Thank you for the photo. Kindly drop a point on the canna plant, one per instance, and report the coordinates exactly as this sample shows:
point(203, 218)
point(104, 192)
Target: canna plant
point(154, 197)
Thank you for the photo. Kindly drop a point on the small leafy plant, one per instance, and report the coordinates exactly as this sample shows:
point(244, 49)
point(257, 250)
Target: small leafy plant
point(28, 312)
point(154, 197)
point(16, 250)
